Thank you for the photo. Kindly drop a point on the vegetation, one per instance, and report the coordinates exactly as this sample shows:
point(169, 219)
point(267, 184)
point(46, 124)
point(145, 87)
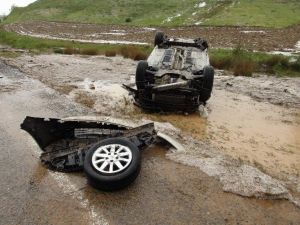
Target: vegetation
point(68, 47)
point(110, 53)
point(267, 13)
point(245, 63)
point(2, 18)
point(240, 62)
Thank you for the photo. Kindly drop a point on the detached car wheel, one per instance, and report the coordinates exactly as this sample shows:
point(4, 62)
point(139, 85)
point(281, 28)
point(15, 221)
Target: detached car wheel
point(140, 76)
point(112, 164)
point(159, 38)
point(208, 83)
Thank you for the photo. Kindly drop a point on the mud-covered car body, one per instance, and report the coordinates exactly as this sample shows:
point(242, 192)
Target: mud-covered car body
point(177, 76)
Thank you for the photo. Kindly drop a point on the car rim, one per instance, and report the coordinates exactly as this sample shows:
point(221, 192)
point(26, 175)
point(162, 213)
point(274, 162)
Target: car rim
point(111, 158)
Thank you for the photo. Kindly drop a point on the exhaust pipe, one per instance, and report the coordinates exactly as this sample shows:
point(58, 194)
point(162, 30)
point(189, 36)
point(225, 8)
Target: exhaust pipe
point(165, 87)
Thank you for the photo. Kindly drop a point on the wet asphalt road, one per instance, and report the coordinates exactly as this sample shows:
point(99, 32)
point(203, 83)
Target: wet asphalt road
point(165, 192)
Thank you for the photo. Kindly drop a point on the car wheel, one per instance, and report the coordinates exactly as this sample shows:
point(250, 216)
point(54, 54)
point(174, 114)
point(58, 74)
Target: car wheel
point(159, 38)
point(208, 82)
point(140, 76)
point(112, 164)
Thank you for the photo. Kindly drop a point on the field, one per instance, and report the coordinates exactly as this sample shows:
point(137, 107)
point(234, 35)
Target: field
point(238, 60)
point(266, 13)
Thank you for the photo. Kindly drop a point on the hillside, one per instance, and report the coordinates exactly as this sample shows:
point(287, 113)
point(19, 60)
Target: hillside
point(268, 13)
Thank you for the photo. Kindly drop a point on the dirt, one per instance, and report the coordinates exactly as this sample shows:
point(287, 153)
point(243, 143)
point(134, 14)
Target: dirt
point(244, 146)
point(283, 91)
point(252, 38)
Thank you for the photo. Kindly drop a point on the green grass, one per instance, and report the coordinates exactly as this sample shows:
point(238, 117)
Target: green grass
point(268, 13)
point(45, 45)
point(265, 13)
point(245, 63)
point(239, 61)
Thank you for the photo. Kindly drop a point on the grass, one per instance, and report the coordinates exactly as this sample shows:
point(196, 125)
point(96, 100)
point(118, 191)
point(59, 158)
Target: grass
point(267, 13)
point(68, 47)
point(240, 62)
point(245, 63)
point(110, 53)
point(89, 51)
point(133, 53)
point(264, 13)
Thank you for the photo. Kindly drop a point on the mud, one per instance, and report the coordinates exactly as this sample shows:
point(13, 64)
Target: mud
point(241, 121)
point(252, 38)
point(245, 147)
point(263, 88)
point(99, 74)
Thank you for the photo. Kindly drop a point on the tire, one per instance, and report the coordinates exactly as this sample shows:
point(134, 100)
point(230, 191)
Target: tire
point(159, 38)
point(140, 75)
point(208, 82)
point(105, 180)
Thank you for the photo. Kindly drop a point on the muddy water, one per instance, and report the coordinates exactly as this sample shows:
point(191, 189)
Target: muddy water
point(262, 134)
point(172, 193)
point(257, 133)
point(166, 192)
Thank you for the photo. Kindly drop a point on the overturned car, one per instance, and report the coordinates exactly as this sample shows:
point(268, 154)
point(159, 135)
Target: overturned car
point(109, 153)
point(177, 76)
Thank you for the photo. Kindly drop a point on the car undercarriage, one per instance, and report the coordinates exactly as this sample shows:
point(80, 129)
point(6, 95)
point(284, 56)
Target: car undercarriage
point(177, 76)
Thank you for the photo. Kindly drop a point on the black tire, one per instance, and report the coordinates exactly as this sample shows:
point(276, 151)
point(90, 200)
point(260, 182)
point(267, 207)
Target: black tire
point(208, 83)
point(159, 38)
point(140, 75)
point(115, 181)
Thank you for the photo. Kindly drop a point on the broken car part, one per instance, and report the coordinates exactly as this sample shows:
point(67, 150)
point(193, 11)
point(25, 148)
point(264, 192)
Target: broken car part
point(109, 153)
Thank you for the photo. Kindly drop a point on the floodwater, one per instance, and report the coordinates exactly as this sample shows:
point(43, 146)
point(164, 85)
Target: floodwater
point(262, 134)
point(241, 120)
point(166, 192)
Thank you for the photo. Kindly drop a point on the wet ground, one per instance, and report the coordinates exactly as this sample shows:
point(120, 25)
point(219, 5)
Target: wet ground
point(239, 132)
point(252, 38)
